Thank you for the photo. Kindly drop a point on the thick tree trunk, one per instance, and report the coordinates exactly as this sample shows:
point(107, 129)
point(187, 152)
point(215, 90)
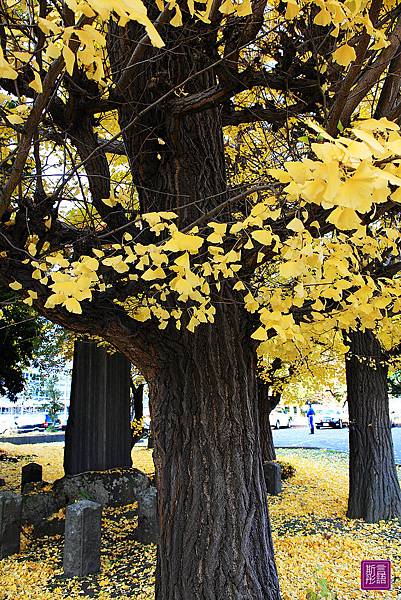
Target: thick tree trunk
point(215, 538)
point(98, 434)
point(374, 488)
point(266, 405)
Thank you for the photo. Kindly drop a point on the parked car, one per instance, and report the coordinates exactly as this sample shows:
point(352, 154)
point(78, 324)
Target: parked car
point(31, 422)
point(331, 417)
point(6, 423)
point(62, 422)
point(279, 418)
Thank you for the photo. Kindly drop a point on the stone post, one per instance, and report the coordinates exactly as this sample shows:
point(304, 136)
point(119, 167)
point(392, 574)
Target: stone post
point(272, 472)
point(30, 473)
point(10, 523)
point(82, 539)
point(148, 524)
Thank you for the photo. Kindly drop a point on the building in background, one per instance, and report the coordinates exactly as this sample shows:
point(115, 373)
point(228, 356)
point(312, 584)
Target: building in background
point(34, 395)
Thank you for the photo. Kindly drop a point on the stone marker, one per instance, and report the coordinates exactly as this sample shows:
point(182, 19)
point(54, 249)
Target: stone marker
point(82, 539)
point(10, 523)
point(272, 472)
point(30, 473)
point(147, 531)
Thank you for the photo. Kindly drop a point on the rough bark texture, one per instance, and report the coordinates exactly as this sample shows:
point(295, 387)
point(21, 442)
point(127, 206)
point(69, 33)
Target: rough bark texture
point(176, 160)
point(215, 538)
point(374, 488)
point(98, 434)
point(266, 405)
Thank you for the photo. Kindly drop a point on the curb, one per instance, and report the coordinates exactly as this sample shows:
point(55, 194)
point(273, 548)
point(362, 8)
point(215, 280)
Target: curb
point(34, 439)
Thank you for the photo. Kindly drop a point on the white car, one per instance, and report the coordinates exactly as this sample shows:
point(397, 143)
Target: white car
point(31, 422)
point(6, 423)
point(331, 417)
point(279, 418)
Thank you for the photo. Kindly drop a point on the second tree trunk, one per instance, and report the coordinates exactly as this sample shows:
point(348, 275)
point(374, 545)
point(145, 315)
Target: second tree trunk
point(98, 435)
point(374, 488)
point(266, 404)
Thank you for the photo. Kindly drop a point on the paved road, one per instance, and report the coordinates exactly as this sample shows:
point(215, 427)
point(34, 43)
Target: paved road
point(333, 439)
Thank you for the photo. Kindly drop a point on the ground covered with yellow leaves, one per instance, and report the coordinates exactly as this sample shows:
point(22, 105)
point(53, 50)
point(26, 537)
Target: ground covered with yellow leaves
point(313, 539)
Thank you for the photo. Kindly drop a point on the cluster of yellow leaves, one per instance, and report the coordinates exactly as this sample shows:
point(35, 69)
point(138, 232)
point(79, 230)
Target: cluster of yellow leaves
point(324, 271)
point(306, 370)
point(350, 178)
point(350, 175)
point(349, 16)
point(178, 277)
point(90, 54)
point(71, 287)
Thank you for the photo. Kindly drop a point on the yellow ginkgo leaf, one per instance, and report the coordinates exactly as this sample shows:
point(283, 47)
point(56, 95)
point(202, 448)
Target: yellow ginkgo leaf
point(6, 70)
point(36, 83)
point(344, 55)
point(184, 242)
point(296, 225)
point(227, 8)
point(262, 236)
point(344, 218)
point(251, 304)
point(260, 334)
point(15, 119)
point(141, 313)
point(291, 269)
point(69, 58)
point(244, 8)
point(151, 274)
point(73, 306)
point(293, 10)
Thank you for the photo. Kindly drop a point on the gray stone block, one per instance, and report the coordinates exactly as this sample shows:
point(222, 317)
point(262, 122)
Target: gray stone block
point(272, 473)
point(115, 487)
point(10, 523)
point(39, 506)
point(83, 529)
point(148, 523)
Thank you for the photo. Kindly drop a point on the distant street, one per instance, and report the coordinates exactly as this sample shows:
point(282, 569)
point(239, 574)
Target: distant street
point(332, 439)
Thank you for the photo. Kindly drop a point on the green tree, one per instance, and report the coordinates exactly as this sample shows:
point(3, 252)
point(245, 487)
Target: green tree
point(52, 403)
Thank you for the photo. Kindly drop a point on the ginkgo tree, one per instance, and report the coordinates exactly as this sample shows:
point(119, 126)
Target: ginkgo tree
point(116, 111)
point(323, 289)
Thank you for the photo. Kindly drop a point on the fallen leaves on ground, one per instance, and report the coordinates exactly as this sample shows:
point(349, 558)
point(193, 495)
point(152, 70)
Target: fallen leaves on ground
point(311, 534)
